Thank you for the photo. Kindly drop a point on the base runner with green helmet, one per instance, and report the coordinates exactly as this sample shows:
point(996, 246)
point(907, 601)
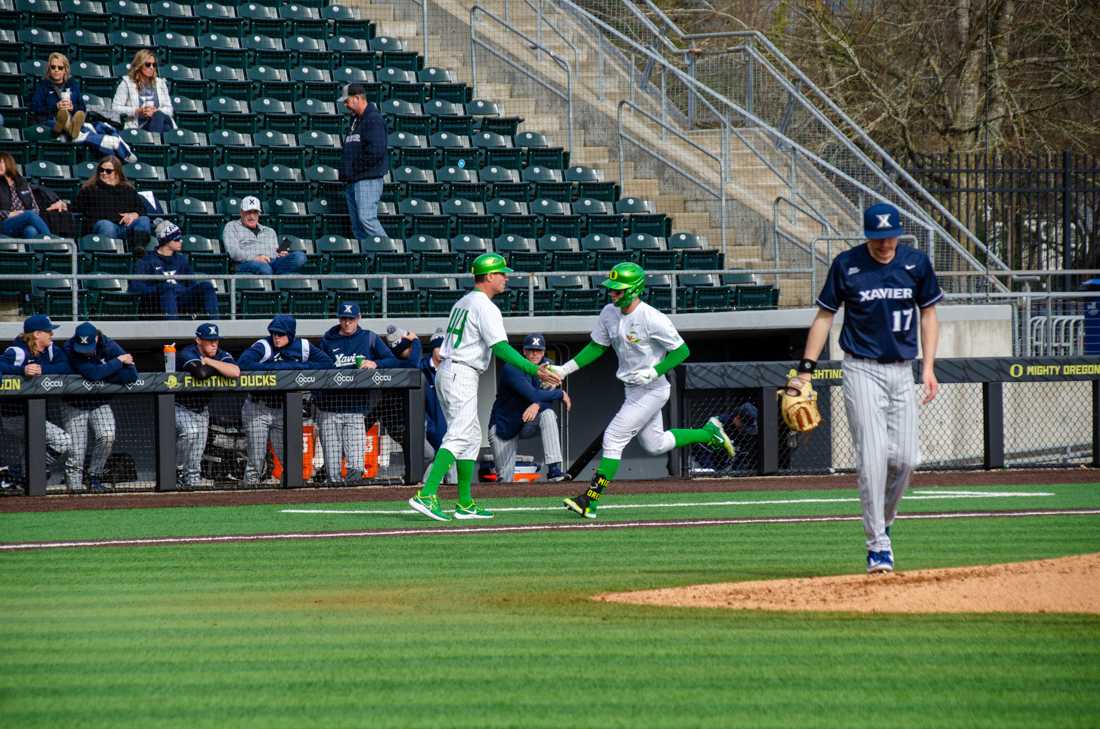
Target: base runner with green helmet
point(647, 345)
point(475, 332)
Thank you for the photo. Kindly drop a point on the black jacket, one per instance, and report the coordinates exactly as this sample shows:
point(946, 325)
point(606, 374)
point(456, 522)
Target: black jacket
point(365, 154)
point(26, 192)
point(106, 202)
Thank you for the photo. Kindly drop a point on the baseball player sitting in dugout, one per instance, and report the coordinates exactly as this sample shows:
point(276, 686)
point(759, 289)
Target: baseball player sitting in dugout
point(522, 408)
point(201, 360)
point(341, 415)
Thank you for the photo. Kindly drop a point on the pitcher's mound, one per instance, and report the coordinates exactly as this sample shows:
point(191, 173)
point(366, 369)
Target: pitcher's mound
point(1065, 585)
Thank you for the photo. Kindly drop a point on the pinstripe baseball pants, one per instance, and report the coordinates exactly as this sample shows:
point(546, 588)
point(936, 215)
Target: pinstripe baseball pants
point(881, 403)
point(343, 435)
point(504, 451)
point(76, 422)
point(260, 423)
point(192, 428)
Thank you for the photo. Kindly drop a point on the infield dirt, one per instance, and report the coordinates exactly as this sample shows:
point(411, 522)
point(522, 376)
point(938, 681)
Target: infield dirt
point(1064, 585)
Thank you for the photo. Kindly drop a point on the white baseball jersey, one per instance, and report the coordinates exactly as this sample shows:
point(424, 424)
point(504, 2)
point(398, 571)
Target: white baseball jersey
point(476, 324)
point(641, 338)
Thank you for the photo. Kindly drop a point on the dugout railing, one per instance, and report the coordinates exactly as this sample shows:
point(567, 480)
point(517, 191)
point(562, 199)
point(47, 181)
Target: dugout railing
point(990, 413)
point(145, 437)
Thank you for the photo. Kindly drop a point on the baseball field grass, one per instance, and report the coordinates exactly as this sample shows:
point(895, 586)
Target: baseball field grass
point(409, 624)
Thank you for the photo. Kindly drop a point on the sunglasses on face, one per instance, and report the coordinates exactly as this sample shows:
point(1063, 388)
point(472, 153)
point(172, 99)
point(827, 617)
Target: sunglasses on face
point(106, 170)
point(150, 64)
point(57, 68)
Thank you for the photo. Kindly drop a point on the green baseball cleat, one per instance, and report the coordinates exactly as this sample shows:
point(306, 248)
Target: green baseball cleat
point(429, 507)
point(472, 511)
point(719, 439)
point(581, 505)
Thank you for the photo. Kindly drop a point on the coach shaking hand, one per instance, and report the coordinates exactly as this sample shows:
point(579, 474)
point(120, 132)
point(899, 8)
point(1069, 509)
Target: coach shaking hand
point(366, 161)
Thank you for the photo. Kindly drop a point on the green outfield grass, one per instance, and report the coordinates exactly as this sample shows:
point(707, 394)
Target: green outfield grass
point(498, 630)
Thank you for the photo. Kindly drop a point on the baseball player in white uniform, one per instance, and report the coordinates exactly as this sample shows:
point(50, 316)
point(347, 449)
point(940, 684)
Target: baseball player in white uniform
point(202, 360)
point(475, 332)
point(647, 345)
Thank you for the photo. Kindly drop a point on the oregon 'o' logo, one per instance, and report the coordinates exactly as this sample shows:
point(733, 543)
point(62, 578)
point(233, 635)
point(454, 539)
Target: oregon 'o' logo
point(1016, 370)
point(613, 275)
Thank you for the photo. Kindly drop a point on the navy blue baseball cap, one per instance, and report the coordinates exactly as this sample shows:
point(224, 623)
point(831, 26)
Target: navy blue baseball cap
point(881, 220)
point(534, 341)
point(38, 323)
point(437, 339)
point(84, 338)
point(348, 310)
point(208, 331)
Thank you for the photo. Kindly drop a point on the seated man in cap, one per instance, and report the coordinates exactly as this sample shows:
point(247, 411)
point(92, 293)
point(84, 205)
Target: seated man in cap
point(98, 358)
point(741, 427)
point(255, 247)
point(201, 360)
point(341, 415)
point(262, 414)
point(365, 162)
point(167, 293)
point(32, 354)
point(524, 407)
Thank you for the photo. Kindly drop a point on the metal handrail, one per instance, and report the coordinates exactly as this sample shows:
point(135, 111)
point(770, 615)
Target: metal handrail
point(534, 45)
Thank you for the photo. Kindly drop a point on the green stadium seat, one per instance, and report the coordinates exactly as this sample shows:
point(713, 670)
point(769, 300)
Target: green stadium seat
point(692, 254)
point(232, 114)
point(304, 20)
point(237, 181)
point(48, 147)
point(40, 41)
point(386, 255)
point(565, 253)
point(652, 252)
point(521, 253)
point(353, 74)
point(543, 303)
point(756, 297)
point(94, 78)
point(539, 151)
point(506, 126)
point(432, 254)
point(633, 206)
point(265, 50)
point(456, 93)
point(286, 182)
point(130, 16)
point(739, 278)
point(289, 217)
point(278, 116)
point(185, 80)
point(88, 45)
point(149, 178)
point(218, 19)
point(324, 182)
point(537, 174)
point(349, 51)
point(608, 250)
point(310, 51)
point(190, 147)
point(318, 116)
point(469, 247)
point(190, 114)
point(496, 174)
point(236, 148)
point(129, 40)
point(17, 263)
point(223, 50)
point(280, 148)
point(228, 84)
point(342, 255)
point(258, 304)
point(411, 150)
point(497, 150)
point(205, 255)
point(86, 15)
point(440, 301)
point(581, 174)
point(315, 83)
point(332, 216)
point(259, 19)
point(57, 177)
point(454, 149)
point(198, 216)
point(10, 48)
point(272, 82)
point(11, 80)
point(175, 18)
point(346, 21)
point(481, 107)
point(105, 255)
point(11, 106)
point(43, 14)
point(11, 142)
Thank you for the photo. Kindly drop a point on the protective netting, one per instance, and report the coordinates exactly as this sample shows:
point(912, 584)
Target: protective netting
point(1048, 423)
point(738, 410)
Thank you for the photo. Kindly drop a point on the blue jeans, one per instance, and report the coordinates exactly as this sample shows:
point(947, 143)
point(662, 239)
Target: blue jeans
point(27, 224)
point(113, 230)
point(290, 263)
point(363, 197)
point(158, 122)
point(199, 295)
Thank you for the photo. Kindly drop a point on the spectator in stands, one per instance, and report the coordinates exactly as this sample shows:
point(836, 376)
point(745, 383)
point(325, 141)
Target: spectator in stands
point(255, 247)
point(365, 162)
point(57, 96)
point(523, 408)
point(20, 209)
point(32, 354)
point(341, 415)
point(111, 205)
point(435, 424)
point(262, 414)
point(167, 293)
point(142, 100)
point(742, 428)
point(97, 358)
point(201, 360)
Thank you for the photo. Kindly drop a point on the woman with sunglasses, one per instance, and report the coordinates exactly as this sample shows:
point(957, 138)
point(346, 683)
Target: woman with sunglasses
point(142, 96)
point(20, 215)
point(57, 96)
point(110, 205)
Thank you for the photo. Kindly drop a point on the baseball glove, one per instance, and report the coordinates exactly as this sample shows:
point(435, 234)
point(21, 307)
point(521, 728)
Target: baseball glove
point(798, 403)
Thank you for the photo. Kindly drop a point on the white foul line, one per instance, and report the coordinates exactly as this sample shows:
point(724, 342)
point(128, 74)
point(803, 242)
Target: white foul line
point(915, 496)
point(455, 530)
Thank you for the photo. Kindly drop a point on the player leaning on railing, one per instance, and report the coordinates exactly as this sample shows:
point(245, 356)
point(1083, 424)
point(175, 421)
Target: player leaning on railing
point(475, 332)
point(647, 345)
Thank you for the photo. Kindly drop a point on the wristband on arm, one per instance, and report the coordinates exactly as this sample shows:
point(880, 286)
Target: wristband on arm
point(591, 352)
point(806, 366)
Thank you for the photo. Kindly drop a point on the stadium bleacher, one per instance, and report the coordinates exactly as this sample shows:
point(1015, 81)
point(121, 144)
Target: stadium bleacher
point(254, 89)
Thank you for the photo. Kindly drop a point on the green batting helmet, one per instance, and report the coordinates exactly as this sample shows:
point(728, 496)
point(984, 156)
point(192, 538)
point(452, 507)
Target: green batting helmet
point(489, 263)
point(626, 277)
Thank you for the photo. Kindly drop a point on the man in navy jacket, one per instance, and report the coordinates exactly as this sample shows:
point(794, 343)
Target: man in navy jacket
point(522, 408)
point(166, 262)
point(365, 162)
point(263, 414)
point(98, 358)
point(33, 354)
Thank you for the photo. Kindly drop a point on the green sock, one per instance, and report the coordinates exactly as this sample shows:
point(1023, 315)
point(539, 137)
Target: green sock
point(687, 436)
point(608, 467)
point(465, 478)
point(442, 463)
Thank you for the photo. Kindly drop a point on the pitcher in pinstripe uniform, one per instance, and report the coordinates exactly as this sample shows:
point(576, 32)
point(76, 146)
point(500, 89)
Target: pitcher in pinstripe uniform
point(886, 290)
